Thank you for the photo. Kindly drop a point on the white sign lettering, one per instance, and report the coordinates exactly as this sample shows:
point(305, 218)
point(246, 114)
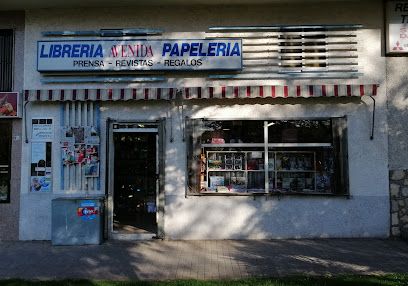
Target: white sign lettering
point(42, 132)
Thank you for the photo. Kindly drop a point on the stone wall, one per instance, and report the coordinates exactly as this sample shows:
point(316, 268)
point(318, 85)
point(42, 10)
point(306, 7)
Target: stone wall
point(399, 203)
point(9, 212)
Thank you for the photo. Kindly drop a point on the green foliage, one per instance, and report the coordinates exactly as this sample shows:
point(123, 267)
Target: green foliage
point(350, 280)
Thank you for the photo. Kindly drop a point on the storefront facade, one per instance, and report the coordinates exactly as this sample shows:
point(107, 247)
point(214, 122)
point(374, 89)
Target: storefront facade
point(397, 49)
point(11, 85)
point(284, 146)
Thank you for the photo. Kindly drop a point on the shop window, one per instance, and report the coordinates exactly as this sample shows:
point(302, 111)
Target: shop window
point(267, 156)
point(5, 157)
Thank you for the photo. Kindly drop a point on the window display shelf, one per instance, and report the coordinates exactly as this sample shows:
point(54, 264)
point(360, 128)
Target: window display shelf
point(289, 171)
point(225, 170)
point(271, 145)
point(235, 145)
point(271, 193)
point(288, 156)
point(296, 171)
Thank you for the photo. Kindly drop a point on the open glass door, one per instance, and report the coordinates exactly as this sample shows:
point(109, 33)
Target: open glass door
point(134, 186)
point(5, 157)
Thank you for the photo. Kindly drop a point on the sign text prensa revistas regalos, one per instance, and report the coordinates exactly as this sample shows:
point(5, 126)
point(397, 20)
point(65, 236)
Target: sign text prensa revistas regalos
point(139, 55)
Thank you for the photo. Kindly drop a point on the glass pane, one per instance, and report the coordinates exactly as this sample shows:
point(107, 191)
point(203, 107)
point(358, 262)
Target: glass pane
point(300, 131)
point(241, 168)
point(4, 186)
point(255, 160)
point(256, 181)
point(226, 161)
point(295, 161)
point(230, 131)
point(272, 181)
point(5, 140)
point(295, 182)
point(226, 181)
point(325, 170)
point(5, 156)
point(303, 170)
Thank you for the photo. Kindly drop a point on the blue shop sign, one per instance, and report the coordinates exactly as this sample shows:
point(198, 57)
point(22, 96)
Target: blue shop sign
point(139, 55)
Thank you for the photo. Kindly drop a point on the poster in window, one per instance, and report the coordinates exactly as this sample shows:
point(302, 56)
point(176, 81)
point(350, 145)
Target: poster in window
point(92, 169)
point(38, 153)
point(91, 136)
point(67, 141)
point(67, 136)
point(79, 135)
point(42, 130)
point(67, 154)
point(80, 146)
point(216, 181)
point(79, 153)
point(41, 184)
point(238, 182)
point(41, 169)
point(92, 161)
point(9, 104)
point(72, 135)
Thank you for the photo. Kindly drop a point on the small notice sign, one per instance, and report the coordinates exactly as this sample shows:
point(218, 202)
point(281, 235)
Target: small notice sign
point(397, 26)
point(87, 210)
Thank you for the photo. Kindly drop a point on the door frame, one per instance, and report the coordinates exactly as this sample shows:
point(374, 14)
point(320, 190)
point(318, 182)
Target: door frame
point(159, 128)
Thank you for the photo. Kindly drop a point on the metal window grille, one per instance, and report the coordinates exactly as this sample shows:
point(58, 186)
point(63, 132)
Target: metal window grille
point(79, 114)
point(294, 51)
point(6, 60)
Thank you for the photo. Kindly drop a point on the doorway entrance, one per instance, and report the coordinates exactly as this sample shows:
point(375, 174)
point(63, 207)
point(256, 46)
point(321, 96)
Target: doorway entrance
point(134, 189)
point(5, 159)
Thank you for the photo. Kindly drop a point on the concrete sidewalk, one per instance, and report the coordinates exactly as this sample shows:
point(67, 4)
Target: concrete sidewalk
point(224, 259)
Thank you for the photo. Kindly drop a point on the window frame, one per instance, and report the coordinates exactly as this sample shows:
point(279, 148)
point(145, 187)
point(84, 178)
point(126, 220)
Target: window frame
point(341, 187)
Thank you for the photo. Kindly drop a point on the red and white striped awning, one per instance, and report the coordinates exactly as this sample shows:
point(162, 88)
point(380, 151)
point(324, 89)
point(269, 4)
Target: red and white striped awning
point(220, 92)
point(112, 94)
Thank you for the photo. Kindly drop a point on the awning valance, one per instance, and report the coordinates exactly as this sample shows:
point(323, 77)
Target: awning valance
point(115, 94)
point(220, 92)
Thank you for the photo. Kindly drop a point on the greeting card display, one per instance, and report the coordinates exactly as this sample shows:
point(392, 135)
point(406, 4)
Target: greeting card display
point(92, 161)
point(80, 147)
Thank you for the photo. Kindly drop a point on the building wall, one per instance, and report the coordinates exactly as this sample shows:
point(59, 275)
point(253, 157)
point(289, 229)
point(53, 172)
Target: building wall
point(397, 97)
point(35, 208)
point(9, 212)
point(399, 203)
point(192, 22)
point(397, 104)
point(364, 214)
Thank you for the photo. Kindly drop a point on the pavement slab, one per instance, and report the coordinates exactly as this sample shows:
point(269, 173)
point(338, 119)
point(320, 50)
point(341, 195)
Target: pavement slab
point(206, 259)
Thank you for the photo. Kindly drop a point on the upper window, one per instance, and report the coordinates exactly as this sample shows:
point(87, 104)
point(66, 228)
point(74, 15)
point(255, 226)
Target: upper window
point(295, 51)
point(268, 156)
point(6, 60)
